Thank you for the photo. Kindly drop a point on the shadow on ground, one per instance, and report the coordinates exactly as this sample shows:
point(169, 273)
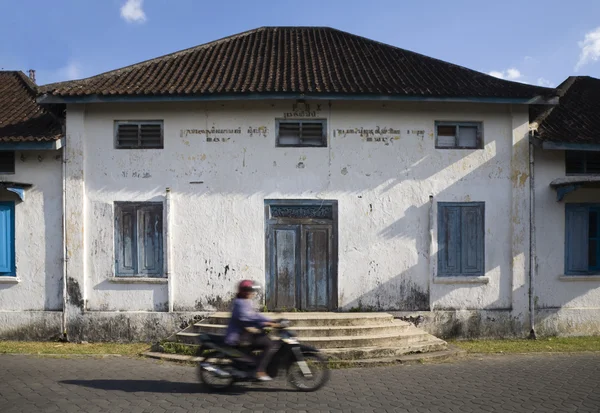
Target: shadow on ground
point(163, 386)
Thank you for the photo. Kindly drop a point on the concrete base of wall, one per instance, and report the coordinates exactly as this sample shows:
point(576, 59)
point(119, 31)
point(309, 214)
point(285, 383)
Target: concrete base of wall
point(568, 322)
point(129, 326)
point(30, 325)
point(153, 326)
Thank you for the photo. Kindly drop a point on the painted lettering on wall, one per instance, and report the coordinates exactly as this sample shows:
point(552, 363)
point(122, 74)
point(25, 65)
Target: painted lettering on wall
point(261, 131)
point(303, 110)
point(212, 131)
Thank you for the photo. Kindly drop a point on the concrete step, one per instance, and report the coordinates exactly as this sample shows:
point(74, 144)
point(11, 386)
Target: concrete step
point(316, 319)
point(322, 331)
point(398, 338)
point(384, 352)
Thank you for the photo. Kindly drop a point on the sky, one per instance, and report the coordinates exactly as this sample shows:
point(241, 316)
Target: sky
point(540, 42)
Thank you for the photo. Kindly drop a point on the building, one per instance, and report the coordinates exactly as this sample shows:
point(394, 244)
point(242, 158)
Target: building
point(342, 173)
point(567, 178)
point(31, 192)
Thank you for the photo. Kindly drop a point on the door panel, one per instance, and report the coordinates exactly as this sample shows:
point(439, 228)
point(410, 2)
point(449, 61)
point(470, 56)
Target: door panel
point(282, 282)
point(315, 286)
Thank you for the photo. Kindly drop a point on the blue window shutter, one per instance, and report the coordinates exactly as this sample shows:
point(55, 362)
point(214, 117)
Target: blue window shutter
point(126, 241)
point(7, 238)
point(150, 240)
point(576, 239)
point(472, 240)
point(449, 255)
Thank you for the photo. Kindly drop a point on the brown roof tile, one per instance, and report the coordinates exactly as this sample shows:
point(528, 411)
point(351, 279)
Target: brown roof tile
point(576, 118)
point(21, 118)
point(296, 60)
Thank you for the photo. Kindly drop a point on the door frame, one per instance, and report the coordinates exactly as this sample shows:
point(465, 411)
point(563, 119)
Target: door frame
point(270, 221)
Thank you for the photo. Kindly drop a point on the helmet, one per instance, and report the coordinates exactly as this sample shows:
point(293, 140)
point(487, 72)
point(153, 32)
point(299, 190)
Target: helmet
point(247, 286)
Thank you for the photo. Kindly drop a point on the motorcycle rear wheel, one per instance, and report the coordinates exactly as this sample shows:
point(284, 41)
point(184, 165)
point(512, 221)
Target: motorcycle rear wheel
point(318, 367)
point(211, 379)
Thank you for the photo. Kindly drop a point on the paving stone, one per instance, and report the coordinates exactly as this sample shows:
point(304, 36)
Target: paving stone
point(523, 383)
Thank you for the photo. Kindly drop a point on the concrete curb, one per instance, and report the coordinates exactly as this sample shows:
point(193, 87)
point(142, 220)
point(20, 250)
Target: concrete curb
point(418, 358)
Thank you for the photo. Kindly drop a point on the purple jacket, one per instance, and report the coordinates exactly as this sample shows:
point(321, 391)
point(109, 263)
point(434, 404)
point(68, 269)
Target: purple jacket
point(243, 315)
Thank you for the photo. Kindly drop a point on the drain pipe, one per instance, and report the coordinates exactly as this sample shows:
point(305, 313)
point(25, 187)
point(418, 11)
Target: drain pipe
point(167, 254)
point(532, 235)
point(64, 239)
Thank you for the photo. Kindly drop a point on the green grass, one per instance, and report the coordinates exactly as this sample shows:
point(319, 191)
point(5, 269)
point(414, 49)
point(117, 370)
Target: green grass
point(541, 345)
point(34, 347)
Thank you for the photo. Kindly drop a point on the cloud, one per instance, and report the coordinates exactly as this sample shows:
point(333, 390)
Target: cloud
point(544, 82)
point(508, 74)
point(69, 72)
point(590, 48)
point(132, 11)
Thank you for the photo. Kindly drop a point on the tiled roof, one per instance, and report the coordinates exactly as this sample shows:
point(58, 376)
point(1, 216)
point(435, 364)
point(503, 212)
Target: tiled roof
point(21, 118)
point(310, 60)
point(576, 118)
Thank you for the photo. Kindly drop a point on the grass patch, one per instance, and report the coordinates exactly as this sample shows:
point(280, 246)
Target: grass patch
point(34, 347)
point(541, 345)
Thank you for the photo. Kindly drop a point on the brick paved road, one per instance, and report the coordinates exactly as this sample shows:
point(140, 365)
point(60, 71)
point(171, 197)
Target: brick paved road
point(540, 383)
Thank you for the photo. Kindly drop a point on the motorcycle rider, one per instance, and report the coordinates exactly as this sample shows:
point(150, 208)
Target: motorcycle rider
point(245, 319)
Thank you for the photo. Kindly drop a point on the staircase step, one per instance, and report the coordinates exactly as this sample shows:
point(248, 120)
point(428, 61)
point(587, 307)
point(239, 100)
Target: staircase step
point(317, 319)
point(381, 340)
point(321, 331)
point(369, 353)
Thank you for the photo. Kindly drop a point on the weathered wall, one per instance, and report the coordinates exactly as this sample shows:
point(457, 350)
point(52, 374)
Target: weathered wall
point(564, 305)
point(382, 187)
point(36, 299)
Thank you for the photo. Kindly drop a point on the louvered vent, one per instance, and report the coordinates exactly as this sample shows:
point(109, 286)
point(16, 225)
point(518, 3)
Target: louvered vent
point(7, 162)
point(302, 133)
point(582, 162)
point(142, 134)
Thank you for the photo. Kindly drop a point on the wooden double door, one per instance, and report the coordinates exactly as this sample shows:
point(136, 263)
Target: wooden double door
point(301, 255)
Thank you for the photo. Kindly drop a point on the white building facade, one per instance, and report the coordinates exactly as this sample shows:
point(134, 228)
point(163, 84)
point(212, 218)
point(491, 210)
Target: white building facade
point(413, 202)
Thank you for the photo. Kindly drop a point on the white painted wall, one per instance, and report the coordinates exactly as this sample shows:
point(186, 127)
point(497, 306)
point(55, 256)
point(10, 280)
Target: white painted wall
point(579, 299)
point(38, 235)
point(382, 189)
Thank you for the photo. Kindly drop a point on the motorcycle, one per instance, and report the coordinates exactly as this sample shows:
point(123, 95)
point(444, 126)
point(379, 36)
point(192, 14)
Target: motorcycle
point(222, 366)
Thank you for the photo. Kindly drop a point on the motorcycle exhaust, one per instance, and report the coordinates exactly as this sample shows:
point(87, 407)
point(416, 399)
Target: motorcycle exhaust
point(213, 369)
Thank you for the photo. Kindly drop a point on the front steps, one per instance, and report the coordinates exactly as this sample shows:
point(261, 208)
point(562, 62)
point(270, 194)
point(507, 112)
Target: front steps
point(341, 336)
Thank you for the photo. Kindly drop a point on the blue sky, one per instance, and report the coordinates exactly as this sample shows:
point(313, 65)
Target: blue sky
point(533, 41)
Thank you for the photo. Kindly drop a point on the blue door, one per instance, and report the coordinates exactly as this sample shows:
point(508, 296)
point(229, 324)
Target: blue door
point(7, 238)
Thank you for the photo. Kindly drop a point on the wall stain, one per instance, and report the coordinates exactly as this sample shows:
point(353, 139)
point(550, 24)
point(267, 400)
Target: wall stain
point(74, 293)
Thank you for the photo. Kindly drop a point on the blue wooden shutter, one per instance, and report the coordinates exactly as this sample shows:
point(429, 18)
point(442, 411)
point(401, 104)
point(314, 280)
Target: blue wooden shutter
point(126, 240)
point(576, 238)
point(149, 220)
point(7, 238)
point(472, 240)
point(449, 255)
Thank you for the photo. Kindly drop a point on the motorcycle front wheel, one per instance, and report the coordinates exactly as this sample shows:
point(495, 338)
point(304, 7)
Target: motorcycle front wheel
point(319, 370)
point(212, 380)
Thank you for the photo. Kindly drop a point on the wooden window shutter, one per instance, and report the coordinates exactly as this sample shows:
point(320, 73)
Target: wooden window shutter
point(576, 238)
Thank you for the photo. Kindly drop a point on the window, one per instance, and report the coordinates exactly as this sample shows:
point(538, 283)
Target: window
point(7, 238)
point(461, 238)
point(138, 239)
point(582, 239)
point(582, 162)
point(302, 133)
point(144, 134)
point(7, 162)
point(458, 135)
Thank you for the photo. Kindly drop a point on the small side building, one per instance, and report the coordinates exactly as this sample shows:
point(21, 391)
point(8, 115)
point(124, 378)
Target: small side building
point(31, 248)
point(566, 291)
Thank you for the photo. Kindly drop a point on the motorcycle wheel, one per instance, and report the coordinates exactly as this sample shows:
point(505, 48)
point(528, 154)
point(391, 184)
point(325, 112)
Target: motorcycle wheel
point(212, 380)
point(318, 367)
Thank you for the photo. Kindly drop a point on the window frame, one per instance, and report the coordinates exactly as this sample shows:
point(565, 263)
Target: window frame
point(324, 138)
point(458, 124)
point(139, 123)
point(119, 272)
point(571, 208)
point(585, 161)
point(14, 157)
point(11, 240)
point(441, 229)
